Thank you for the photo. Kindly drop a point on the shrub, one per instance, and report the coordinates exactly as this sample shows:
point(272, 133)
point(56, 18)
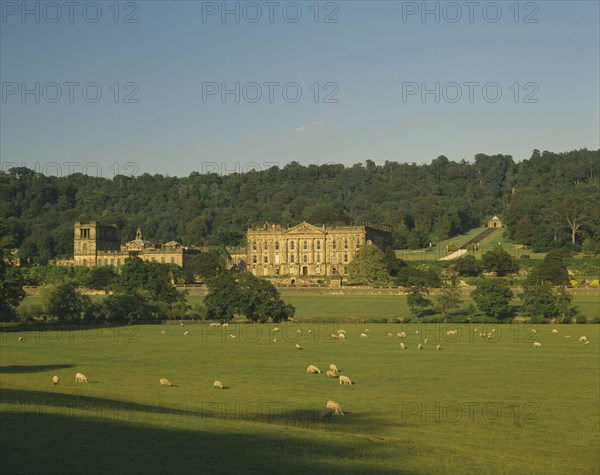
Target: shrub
point(580, 319)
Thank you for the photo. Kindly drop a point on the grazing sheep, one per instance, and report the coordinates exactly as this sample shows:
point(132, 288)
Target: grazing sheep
point(298, 347)
point(402, 346)
point(312, 369)
point(335, 407)
point(363, 335)
point(225, 325)
point(555, 331)
point(582, 338)
point(586, 342)
point(389, 334)
point(419, 346)
point(537, 344)
point(367, 330)
point(334, 336)
point(451, 332)
point(55, 379)
point(233, 337)
point(21, 339)
point(334, 368)
point(341, 336)
point(218, 385)
point(475, 330)
point(309, 331)
point(80, 378)
point(181, 323)
point(438, 348)
point(162, 332)
point(567, 336)
point(186, 333)
point(298, 332)
point(425, 340)
point(165, 382)
point(416, 332)
point(533, 330)
point(341, 331)
point(401, 335)
point(345, 380)
point(331, 374)
point(276, 329)
point(274, 340)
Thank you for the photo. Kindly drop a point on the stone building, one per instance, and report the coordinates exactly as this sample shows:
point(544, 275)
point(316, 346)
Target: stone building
point(307, 250)
point(494, 222)
point(97, 244)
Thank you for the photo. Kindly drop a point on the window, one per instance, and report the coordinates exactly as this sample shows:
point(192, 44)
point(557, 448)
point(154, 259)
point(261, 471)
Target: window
point(305, 258)
point(345, 257)
point(292, 245)
point(254, 245)
point(85, 248)
point(253, 259)
point(292, 259)
point(162, 260)
point(345, 243)
point(277, 271)
point(265, 245)
point(318, 257)
point(318, 244)
point(266, 259)
point(305, 245)
point(345, 270)
point(277, 245)
point(334, 245)
point(358, 244)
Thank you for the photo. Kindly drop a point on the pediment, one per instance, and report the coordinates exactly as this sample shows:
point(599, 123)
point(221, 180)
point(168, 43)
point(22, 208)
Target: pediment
point(305, 228)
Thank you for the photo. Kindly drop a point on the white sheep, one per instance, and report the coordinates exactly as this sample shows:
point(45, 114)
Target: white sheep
point(363, 335)
point(309, 331)
point(401, 335)
point(337, 409)
point(80, 378)
point(334, 368)
point(438, 348)
point(274, 340)
point(162, 332)
point(225, 325)
point(533, 330)
point(218, 385)
point(402, 346)
point(276, 329)
point(233, 337)
point(298, 332)
point(334, 336)
point(186, 333)
point(55, 379)
point(165, 382)
point(341, 336)
point(389, 334)
point(340, 331)
point(419, 346)
point(425, 340)
point(331, 374)
point(554, 331)
point(345, 380)
point(582, 338)
point(567, 336)
point(312, 369)
point(21, 339)
point(586, 342)
point(537, 344)
point(298, 347)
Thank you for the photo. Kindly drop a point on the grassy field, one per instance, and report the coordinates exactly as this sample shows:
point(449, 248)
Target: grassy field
point(478, 406)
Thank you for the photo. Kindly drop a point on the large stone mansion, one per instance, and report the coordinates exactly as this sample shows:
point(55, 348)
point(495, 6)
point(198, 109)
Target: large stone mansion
point(271, 250)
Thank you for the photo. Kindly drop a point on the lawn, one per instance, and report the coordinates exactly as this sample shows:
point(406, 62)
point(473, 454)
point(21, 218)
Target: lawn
point(477, 406)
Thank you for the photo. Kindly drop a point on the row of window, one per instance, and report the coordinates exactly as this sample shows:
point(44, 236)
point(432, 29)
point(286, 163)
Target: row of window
point(292, 245)
point(111, 262)
point(293, 258)
point(305, 270)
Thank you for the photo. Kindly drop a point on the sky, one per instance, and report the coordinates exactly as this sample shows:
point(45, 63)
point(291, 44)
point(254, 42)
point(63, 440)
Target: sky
point(106, 88)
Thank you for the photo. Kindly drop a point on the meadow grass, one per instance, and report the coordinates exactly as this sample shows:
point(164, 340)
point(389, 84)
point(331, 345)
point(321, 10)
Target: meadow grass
point(478, 406)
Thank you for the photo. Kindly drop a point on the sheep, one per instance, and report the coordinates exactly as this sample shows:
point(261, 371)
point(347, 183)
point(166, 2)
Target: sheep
point(341, 331)
point(367, 330)
point(334, 368)
point(186, 333)
point(425, 340)
point(402, 346)
point(334, 336)
point(537, 344)
point(298, 347)
point(363, 335)
point(21, 339)
point(401, 335)
point(475, 330)
point(389, 334)
point(419, 346)
point(331, 374)
point(312, 369)
point(586, 342)
point(225, 325)
point(335, 407)
point(298, 332)
point(327, 412)
point(274, 340)
point(451, 332)
point(567, 336)
point(309, 331)
point(345, 380)
point(438, 348)
point(181, 323)
point(162, 332)
point(276, 329)
point(533, 330)
point(80, 378)
point(554, 331)
point(165, 382)
point(55, 380)
point(341, 336)
point(233, 337)
point(582, 338)
point(218, 385)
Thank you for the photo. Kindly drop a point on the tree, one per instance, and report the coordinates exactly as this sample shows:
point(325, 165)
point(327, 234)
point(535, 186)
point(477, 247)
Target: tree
point(500, 262)
point(11, 281)
point(392, 263)
point(416, 301)
point(574, 212)
point(65, 303)
point(552, 270)
point(368, 267)
point(467, 266)
point(208, 264)
point(411, 276)
point(99, 278)
point(492, 297)
point(222, 299)
point(538, 300)
point(448, 300)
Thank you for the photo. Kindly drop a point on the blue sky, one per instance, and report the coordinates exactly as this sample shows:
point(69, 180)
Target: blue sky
point(161, 68)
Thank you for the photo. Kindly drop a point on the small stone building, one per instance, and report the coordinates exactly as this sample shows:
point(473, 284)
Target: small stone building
point(494, 223)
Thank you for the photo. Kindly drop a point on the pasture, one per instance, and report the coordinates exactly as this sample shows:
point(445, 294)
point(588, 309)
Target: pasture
point(477, 406)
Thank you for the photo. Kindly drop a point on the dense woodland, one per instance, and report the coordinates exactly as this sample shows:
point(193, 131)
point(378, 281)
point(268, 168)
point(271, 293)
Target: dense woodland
point(548, 201)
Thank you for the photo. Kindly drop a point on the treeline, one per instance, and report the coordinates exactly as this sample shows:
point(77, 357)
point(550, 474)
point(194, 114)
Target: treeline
point(549, 201)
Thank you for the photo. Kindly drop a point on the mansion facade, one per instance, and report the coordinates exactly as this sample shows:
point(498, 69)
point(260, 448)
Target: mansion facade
point(307, 250)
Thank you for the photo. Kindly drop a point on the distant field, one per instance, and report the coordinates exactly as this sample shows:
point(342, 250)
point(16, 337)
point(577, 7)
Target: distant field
point(478, 406)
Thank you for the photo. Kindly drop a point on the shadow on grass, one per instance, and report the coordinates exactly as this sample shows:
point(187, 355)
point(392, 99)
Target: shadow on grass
point(14, 369)
point(35, 444)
